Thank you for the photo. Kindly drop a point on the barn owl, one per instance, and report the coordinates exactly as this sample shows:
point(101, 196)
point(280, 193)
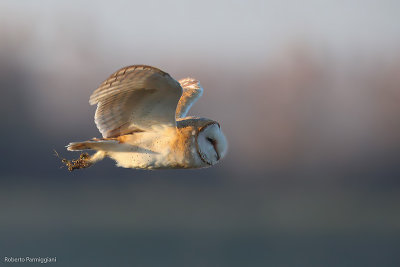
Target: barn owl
point(142, 116)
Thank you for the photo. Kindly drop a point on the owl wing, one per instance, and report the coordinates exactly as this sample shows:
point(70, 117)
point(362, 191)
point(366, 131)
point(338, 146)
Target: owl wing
point(192, 91)
point(135, 98)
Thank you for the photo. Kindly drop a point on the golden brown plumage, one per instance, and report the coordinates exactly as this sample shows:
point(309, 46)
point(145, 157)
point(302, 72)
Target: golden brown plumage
point(141, 113)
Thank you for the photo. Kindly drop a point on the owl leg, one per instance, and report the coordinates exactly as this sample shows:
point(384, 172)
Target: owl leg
point(99, 155)
point(84, 161)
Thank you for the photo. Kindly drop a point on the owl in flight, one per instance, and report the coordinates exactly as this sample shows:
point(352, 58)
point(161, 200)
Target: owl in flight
point(141, 113)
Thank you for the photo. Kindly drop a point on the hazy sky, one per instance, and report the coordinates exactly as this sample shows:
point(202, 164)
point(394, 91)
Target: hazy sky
point(212, 28)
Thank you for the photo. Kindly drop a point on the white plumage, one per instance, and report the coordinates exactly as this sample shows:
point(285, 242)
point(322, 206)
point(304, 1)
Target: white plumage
point(141, 113)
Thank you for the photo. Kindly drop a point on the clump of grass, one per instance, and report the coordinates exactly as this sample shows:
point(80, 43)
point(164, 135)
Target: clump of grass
point(82, 162)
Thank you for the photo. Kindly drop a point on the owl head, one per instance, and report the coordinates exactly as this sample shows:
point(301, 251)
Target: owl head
point(206, 138)
point(211, 143)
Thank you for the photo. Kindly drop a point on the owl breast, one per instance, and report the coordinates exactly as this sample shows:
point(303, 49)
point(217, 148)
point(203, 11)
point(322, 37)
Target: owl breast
point(166, 148)
point(194, 143)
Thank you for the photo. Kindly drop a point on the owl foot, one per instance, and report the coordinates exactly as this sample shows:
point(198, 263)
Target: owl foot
point(82, 162)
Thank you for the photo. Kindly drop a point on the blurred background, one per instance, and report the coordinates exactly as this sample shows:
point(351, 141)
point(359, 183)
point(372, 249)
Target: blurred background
point(307, 93)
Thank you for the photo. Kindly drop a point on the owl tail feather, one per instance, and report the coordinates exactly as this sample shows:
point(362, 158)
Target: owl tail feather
point(96, 144)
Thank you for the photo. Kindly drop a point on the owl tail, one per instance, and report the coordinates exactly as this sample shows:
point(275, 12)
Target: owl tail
point(96, 144)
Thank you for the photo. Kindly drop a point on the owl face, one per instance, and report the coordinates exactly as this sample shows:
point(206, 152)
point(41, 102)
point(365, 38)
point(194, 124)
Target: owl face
point(211, 143)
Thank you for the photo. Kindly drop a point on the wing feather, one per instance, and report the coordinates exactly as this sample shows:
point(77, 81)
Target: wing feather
point(135, 98)
point(192, 91)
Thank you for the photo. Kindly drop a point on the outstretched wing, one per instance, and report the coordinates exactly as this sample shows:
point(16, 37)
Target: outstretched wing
point(135, 98)
point(192, 91)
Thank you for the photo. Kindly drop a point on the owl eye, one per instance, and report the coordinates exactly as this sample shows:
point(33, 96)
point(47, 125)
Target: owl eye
point(214, 143)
